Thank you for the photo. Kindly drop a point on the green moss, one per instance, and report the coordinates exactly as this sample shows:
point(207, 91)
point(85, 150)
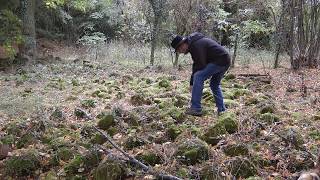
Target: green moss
point(228, 120)
point(57, 114)
point(88, 103)
point(133, 142)
point(192, 151)
point(267, 109)
point(76, 163)
point(269, 118)
point(174, 131)
point(242, 167)
point(23, 165)
point(65, 154)
point(236, 150)
point(214, 134)
point(111, 170)
point(229, 76)
point(106, 121)
point(9, 139)
point(149, 158)
point(230, 103)
point(251, 101)
point(25, 140)
point(164, 83)
point(79, 113)
point(315, 134)
point(211, 172)
point(139, 100)
point(177, 114)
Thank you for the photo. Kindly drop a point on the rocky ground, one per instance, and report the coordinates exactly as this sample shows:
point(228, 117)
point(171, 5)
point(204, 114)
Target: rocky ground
point(48, 113)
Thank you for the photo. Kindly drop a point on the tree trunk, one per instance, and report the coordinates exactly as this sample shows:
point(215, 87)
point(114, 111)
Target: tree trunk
point(154, 38)
point(176, 61)
point(235, 51)
point(29, 30)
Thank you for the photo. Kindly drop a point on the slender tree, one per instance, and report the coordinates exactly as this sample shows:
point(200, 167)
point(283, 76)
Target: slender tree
point(29, 30)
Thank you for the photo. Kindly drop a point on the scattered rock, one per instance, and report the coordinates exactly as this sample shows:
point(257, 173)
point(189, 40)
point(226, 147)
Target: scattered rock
point(269, 118)
point(242, 167)
point(23, 165)
point(139, 100)
point(149, 158)
point(133, 142)
point(192, 151)
point(4, 150)
point(80, 113)
point(111, 170)
point(228, 120)
point(229, 76)
point(236, 150)
point(57, 114)
point(106, 121)
point(214, 134)
point(173, 132)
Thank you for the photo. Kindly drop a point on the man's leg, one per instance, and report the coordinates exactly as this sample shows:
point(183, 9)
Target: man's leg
point(198, 81)
point(216, 90)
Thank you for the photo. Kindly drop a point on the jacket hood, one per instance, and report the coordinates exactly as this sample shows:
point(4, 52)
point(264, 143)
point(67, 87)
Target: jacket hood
point(195, 37)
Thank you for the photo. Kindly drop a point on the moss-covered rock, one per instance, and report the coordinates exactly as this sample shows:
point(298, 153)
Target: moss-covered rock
point(92, 158)
point(139, 100)
point(110, 170)
point(177, 114)
point(268, 108)
point(133, 142)
point(58, 115)
point(214, 134)
point(269, 118)
point(192, 151)
point(240, 92)
point(25, 140)
point(165, 83)
point(149, 158)
point(98, 139)
point(174, 131)
point(23, 165)
point(228, 120)
point(74, 165)
point(236, 150)
point(180, 101)
point(106, 120)
point(299, 161)
point(64, 154)
point(211, 172)
point(229, 76)
point(80, 113)
point(251, 101)
point(8, 140)
point(242, 167)
point(88, 103)
point(229, 103)
point(293, 136)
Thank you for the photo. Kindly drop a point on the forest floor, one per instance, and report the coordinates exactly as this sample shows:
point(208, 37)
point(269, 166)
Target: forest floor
point(48, 111)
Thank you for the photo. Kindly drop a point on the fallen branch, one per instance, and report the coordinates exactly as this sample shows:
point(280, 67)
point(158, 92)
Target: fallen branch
point(145, 168)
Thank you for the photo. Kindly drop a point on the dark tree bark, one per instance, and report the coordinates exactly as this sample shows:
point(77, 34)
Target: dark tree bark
point(29, 30)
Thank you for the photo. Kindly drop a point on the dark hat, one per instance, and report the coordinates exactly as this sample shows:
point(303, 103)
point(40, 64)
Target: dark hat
point(177, 41)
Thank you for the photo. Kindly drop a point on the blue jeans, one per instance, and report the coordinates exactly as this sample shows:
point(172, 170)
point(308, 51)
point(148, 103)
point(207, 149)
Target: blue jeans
point(216, 73)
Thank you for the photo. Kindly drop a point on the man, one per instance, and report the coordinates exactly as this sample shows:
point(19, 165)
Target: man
point(210, 60)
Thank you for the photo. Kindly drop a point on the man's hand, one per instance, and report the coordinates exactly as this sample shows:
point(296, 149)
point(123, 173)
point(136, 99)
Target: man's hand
point(190, 89)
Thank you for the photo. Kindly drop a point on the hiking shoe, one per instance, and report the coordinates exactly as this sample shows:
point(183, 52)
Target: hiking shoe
point(193, 112)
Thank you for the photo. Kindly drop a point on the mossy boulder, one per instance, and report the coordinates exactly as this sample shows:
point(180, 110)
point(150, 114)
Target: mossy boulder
point(180, 101)
point(229, 103)
point(88, 103)
point(174, 131)
point(164, 83)
point(211, 172)
point(57, 115)
point(106, 120)
point(293, 136)
point(214, 134)
point(228, 120)
point(149, 158)
point(229, 76)
point(110, 170)
point(133, 142)
point(177, 114)
point(74, 165)
point(25, 140)
point(269, 118)
point(240, 92)
point(80, 113)
point(236, 150)
point(139, 100)
point(242, 167)
point(23, 165)
point(299, 161)
point(98, 139)
point(65, 154)
point(268, 108)
point(192, 151)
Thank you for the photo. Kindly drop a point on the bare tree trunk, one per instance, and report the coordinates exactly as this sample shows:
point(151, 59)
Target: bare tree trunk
point(154, 38)
point(29, 30)
point(235, 51)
